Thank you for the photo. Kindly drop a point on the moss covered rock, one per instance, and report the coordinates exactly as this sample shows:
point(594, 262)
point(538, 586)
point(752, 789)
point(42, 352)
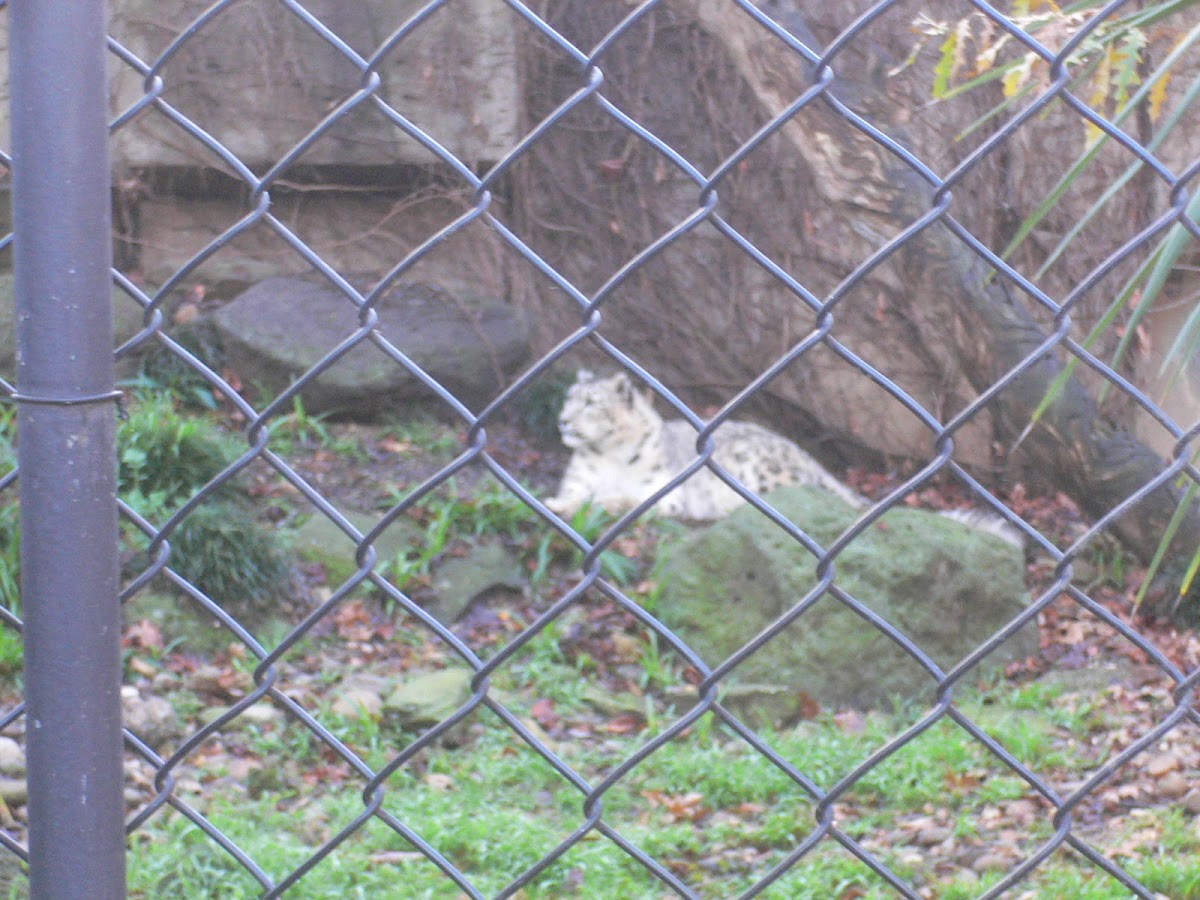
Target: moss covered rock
point(945, 586)
point(320, 540)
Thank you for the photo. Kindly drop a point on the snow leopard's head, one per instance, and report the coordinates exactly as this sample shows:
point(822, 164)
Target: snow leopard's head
point(604, 413)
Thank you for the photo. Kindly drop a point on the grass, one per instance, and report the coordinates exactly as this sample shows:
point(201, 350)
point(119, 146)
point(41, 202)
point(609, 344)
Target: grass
point(426, 435)
point(300, 430)
point(707, 805)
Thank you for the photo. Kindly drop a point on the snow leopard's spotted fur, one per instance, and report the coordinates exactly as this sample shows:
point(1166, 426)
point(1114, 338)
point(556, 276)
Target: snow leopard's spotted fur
point(624, 451)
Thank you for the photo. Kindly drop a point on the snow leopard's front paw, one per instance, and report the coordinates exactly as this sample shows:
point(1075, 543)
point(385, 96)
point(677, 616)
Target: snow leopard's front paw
point(563, 505)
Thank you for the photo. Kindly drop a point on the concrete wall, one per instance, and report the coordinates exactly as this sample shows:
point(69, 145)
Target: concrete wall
point(258, 78)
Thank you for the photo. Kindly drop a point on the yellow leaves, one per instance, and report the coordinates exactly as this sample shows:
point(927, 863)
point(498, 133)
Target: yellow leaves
point(1024, 8)
point(1105, 63)
point(944, 71)
point(1158, 96)
point(968, 50)
point(1099, 95)
point(1116, 74)
point(985, 58)
point(954, 57)
point(1017, 76)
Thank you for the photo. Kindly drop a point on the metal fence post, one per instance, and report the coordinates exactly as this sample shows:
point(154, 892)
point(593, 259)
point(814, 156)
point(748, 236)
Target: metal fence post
point(63, 251)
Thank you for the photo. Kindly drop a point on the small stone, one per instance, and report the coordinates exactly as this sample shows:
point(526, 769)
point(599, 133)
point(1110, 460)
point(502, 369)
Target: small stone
point(1162, 764)
point(1191, 802)
point(990, 862)
point(186, 314)
point(164, 682)
point(207, 680)
point(210, 714)
point(152, 719)
point(933, 834)
point(430, 698)
point(12, 757)
point(366, 681)
point(13, 791)
point(261, 715)
point(1173, 785)
point(358, 702)
point(1021, 812)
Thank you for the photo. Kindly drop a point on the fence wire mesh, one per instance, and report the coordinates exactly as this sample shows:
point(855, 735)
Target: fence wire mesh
point(600, 795)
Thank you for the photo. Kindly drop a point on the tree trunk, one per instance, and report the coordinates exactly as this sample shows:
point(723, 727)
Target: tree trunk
point(1095, 463)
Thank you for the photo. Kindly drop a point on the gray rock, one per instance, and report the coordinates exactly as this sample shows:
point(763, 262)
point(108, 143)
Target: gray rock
point(14, 791)
point(427, 699)
point(282, 327)
point(460, 581)
point(356, 702)
point(152, 719)
point(12, 757)
point(262, 715)
point(946, 587)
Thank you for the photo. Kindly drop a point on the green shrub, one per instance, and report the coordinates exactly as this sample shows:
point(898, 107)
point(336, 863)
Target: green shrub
point(167, 456)
point(220, 547)
point(12, 652)
point(539, 404)
point(234, 559)
point(161, 371)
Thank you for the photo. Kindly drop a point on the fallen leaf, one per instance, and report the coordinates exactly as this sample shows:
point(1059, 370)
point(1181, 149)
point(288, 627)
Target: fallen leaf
point(850, 721)
point(543, 713)
point(809, 707)
point(144, 634)
point(392, 445)
point(625, 723)
point(687, 807)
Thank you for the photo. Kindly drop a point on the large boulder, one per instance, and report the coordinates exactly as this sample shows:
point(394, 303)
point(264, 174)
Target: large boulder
point(279, 329)
point(947, 587)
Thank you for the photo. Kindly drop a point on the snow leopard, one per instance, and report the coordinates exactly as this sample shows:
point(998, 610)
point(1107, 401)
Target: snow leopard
point(624, 451)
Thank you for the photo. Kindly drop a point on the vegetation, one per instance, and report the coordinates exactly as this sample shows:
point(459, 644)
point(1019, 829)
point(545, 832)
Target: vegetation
point(220, 547)
point(707, 805)
point(1113, 69)
point(594, 685)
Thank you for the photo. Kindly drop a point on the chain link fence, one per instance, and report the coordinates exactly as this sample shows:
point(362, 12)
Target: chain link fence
point(369, 770)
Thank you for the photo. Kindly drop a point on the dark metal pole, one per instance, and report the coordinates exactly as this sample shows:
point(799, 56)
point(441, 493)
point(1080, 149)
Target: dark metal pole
point(69, 576)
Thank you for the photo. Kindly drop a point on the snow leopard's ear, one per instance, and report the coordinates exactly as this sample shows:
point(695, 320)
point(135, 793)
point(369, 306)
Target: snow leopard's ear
point(584, 376)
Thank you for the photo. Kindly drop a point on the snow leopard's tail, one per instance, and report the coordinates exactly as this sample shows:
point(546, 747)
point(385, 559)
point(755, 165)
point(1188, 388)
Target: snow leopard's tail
point(989, 522)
